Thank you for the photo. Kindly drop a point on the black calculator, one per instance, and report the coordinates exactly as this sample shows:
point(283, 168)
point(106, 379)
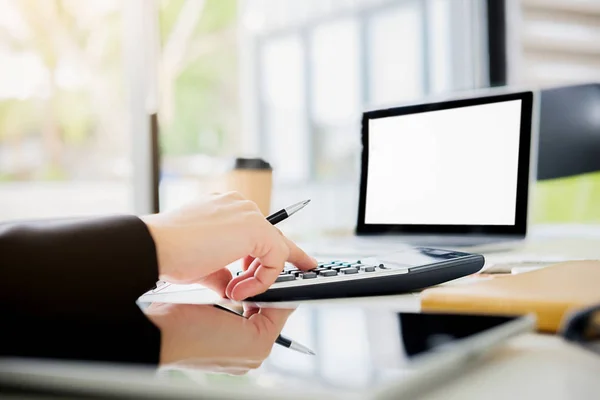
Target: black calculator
point(408, 270)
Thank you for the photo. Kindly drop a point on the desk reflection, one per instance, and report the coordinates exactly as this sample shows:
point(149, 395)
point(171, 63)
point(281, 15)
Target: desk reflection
point(207, 338)
point(358, 349)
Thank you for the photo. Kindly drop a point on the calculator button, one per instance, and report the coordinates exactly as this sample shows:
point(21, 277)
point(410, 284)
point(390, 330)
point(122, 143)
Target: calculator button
point(309, 275)
point(367, 268)
point(285, 278)
point(329, 272)
point(383, 266)
point(349, 270)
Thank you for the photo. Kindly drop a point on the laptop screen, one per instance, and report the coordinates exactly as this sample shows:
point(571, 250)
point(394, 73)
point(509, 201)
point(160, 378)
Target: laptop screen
point(456, 166)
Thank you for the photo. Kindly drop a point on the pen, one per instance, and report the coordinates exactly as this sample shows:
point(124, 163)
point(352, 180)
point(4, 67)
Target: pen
point(287, 212)
point(281, 340)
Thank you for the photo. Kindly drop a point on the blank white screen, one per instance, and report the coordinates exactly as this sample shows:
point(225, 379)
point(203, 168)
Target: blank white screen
point(449, 167)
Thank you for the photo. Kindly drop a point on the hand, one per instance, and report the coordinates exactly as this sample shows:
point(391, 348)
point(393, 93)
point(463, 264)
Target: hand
point(205, 337)
point(195, 243)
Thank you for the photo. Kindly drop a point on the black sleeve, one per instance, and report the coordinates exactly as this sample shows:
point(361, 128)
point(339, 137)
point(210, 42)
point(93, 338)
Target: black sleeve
point(68, 290)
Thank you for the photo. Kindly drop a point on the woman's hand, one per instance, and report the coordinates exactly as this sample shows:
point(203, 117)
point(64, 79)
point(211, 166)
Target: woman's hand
point(196, 242)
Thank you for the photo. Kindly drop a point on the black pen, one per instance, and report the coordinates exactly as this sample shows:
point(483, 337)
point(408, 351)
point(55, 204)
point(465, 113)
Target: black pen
point(281, 340)
point(287, 212)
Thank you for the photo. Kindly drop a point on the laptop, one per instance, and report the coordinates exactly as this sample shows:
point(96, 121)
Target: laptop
point(446, 174)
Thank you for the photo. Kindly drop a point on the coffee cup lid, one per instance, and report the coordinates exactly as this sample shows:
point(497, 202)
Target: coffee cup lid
point(251, 163)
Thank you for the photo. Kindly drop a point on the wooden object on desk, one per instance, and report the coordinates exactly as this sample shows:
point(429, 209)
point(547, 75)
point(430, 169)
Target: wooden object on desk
point(550, 293)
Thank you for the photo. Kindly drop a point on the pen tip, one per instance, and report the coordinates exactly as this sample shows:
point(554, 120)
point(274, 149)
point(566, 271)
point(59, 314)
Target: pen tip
point(306, 202)
point(312, 353)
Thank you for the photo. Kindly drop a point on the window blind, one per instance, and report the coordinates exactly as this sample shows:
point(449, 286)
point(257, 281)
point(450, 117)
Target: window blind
point(556, 42)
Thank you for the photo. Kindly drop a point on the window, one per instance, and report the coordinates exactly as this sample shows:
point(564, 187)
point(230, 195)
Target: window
point(283, 92)
point(335, 97)
point(85, 79)
point(333, 59)
point(396, 49)
point(283, 79)
point(64, 144)
point(198, 85)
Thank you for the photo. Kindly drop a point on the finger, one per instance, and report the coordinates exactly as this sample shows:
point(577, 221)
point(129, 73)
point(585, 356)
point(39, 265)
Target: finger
point(254, 284)
point(270, 321)
point(217, 281)
point(272, 256)
point(245, 275)
point(247, 285)
point(246, 261)
point(298, 257)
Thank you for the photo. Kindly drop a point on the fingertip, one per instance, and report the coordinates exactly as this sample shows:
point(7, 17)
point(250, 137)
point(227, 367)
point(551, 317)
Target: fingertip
point(246, 288)
point(236, 294)
point(305, 263)
point(246, 262)
point(231, 285)
point(228, 289)
point(298, 257)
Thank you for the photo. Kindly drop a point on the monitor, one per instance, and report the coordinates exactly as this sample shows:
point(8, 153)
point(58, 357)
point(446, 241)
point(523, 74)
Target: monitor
point(452, 167)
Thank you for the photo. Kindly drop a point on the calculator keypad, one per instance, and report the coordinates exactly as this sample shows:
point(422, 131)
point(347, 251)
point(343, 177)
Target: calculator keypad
point(334, 271)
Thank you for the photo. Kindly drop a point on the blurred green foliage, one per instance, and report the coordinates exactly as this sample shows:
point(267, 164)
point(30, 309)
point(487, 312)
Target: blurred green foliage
point(18, 119)
point(568, 200)
point(74, 111)
point(206, 91)
point(71, 122)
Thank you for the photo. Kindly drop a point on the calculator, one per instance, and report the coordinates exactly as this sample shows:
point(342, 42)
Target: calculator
point(408, 270)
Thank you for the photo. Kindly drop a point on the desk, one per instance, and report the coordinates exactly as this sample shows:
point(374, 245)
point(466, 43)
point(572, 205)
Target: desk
point(528, 366)
point(535, 365)
point(531, 366)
